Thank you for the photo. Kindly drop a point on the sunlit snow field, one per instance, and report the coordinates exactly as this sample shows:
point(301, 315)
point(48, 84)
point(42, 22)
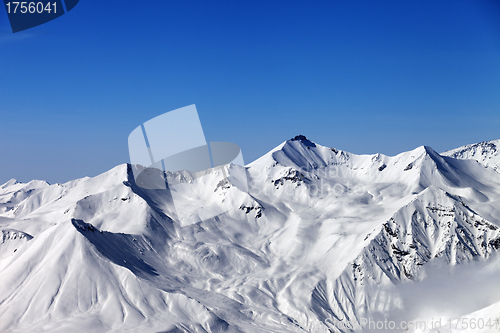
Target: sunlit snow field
point(318, 240)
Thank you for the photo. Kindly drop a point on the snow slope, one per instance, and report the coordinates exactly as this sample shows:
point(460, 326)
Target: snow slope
point(321, 240)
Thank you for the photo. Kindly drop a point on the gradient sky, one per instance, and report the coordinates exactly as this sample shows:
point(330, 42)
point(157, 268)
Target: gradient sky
point(363, 76)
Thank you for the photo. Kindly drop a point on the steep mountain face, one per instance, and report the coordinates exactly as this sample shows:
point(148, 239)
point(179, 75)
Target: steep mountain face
point(317, 240)
point(435, 226)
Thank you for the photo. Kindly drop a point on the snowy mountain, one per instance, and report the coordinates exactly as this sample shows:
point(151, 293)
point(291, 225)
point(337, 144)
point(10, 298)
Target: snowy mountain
point(321, 240)
point(487, 153)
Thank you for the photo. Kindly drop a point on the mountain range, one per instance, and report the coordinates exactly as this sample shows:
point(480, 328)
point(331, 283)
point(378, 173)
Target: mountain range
point(318, 240)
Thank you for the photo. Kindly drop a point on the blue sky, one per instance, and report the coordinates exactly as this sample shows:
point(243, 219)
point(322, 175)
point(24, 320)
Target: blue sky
point(364, 76)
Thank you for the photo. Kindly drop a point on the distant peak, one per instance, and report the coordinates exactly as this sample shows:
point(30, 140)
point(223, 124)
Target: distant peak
point(36, 182)
point(486, 152)
point(299, 137)
point(303, 140)
point(483, 147)
point(10, 183)
point(424, 150)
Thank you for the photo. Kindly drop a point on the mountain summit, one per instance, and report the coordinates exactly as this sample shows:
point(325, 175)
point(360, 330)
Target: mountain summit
point(320, 240)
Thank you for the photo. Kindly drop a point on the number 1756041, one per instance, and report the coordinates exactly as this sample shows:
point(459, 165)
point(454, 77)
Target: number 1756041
point(30, 7)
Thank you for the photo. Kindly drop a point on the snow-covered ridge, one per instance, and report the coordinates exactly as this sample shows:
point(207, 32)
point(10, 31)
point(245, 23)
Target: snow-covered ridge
point(486, 153)
point(321, 236)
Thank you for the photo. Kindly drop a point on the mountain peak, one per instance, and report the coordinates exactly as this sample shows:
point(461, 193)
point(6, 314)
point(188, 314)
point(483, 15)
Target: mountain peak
point(302, 139)
point(9, 183)
point(486, 153)
point(483, 148)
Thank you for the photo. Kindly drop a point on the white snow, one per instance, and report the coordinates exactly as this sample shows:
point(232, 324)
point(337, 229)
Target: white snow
point(486, 153)
point(308, 236)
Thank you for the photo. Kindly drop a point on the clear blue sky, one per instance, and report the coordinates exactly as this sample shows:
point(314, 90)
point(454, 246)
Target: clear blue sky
point(364, 76)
